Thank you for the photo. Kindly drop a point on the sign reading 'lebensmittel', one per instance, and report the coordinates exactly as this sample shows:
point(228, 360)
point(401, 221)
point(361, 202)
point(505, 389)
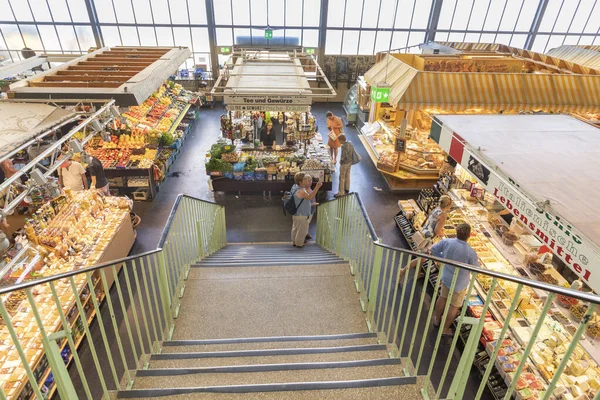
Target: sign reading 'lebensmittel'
point(571, 246)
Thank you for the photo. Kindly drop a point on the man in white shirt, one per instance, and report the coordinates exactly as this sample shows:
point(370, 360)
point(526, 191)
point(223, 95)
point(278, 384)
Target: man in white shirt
point(71, 175)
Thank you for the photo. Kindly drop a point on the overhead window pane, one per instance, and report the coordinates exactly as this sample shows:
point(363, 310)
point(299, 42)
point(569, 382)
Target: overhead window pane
point(471, 38)
point(480, 11)
point(518, 41)
point(40, 10)
point(441, 36)
point(404, 14)
point(554, 42)
point(276, 14)
point(200, 38)
point(367, 42)
point(370, 13)
point(124, 12)
point(129, 36)
point(511, 13)
point(224, 37)
point(197, 10)
point(571, 40)
point(142, 11)
point(49, 37)
point(350, 43)
point(503, 39)
point(446, 14)
point(565, 16)
point(353, 13)
point(78, 11)
point(258, 37)
point(582, 16)
point(456, 37)
point(147, 36)
point(333, 43)
point(111, 36)
point(160, 10)
point(526, 16)
point(399, 40)
point(278, 37)
point(293, 37)
point(310, 38)
point(7, 15)
point(258, 13)
point(383, 41)
point(104, 10)
point(31, 37)
point(487, 38)
point(461, 16)
point(416, 38)
point(12, 37)
point(60, 12)
point(241, 36)
point(550, 15)
point(421, 14)
point(179, 13)
point(594, 21)
point(182, 37)
point(85, 36)
point(165, 36)
point(586, 40)
point(312, 12)
point(222, 12)
point(67, 38)
point(241, 12)
point(387, 15)
point(494, 16)
point(293, 13)
point(21, 10)
point(335, 15)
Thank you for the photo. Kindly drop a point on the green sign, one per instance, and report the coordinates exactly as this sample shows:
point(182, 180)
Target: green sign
point(309, 51)
point(225, 50)
point(268, 33)
point(380, 95)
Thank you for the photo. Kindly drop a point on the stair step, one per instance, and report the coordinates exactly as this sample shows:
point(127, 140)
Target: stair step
point(286, 359)
point(273, 263)
point(272, 387)
point(267, 352)
point(180, 346)
point(274, 271)
point(267, 377)
point(404, 392)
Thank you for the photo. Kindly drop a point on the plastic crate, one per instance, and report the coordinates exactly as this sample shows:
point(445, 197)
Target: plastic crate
point(141, 194)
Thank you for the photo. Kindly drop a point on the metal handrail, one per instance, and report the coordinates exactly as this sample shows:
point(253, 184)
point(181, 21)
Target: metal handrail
point(159, 248)
point(592, 298)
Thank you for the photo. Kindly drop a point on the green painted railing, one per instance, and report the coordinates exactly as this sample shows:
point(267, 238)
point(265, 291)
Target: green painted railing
point(403, 312)
point(133, 317)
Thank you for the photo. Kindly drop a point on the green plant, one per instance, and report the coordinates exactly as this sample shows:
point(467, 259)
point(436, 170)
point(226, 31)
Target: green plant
point(227, 167)
point(215, 165)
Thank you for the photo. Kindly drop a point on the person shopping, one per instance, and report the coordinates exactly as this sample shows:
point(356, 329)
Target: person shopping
point(99, 181)
point(303, 198)
point(345, 165)
point(433, 228)
point(335, 126)
point(455, 249)
point(71, 175)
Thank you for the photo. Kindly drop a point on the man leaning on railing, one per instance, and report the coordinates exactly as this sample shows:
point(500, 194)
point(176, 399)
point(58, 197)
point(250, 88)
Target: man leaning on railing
point(456, 249)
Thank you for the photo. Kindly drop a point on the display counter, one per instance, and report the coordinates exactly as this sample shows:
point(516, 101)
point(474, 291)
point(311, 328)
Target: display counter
point(87, 230)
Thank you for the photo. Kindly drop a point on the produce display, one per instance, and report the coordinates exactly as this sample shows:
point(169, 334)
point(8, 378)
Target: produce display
point(296, 126)
point(67, 236)
point(582, 376)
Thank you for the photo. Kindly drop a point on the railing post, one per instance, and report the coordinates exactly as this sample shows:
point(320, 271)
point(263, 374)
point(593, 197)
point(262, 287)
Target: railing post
point(372, 299)
point(163, 282)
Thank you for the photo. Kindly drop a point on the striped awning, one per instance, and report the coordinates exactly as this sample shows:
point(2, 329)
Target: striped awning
point(396, 73)
point(577, 55)
point(472, 46)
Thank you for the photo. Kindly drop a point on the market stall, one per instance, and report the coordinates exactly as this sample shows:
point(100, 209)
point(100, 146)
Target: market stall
point(483, 79)
point(546, 196)
point(264, 89)
point(66, 233)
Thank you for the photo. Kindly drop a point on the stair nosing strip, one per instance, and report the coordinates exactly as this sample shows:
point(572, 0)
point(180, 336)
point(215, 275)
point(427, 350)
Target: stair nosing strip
point(268, 367)
point(271, 387)
point(267, 352)
point(192, 342)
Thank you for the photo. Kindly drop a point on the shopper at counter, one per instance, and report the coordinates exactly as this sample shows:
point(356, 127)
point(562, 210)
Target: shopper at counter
point(335, 126)
point(303, 197)
point(267, 136)
point(71, 175)
point(99, 180)
point(455, 249)
point(345, 166)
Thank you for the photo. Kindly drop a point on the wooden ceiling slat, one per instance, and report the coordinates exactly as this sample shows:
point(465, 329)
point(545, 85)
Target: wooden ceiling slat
point(70, 72)
point(113, 57)
point(83, 78)
point(102, 68)
point(75, 84)
point(115, 64)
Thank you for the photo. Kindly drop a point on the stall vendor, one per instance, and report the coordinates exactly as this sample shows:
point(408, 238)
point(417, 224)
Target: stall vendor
point(267, 136)
point(71, 175)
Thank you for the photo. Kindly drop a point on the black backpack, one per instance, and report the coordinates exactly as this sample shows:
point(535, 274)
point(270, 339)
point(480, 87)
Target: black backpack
point(289, 204)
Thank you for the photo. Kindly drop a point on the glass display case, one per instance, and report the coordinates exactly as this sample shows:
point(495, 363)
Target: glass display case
point(422, 158)
point(350, 104)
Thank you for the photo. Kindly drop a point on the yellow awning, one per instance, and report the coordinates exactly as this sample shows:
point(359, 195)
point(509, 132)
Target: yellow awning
point(578, 55)
point(396, 73)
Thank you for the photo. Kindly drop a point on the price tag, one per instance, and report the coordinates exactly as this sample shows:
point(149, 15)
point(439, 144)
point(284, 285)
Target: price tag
point(227, 147)
point(281, 159)
point(207, 155)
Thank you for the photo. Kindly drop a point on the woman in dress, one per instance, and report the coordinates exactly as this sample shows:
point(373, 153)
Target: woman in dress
point(335, 125)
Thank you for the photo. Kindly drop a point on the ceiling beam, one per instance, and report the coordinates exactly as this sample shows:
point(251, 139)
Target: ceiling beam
point(535, 25)
point(75, 84)
point(72, 72)
point(103, 68)
point(86, 78)
point(434, 19)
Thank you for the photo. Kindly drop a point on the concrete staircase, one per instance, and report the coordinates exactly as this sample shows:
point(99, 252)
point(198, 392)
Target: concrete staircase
point(272, 322)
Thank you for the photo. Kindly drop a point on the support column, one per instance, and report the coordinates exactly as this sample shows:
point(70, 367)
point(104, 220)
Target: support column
point(323, 31)
point(434, 18)
point(535, 25)
point(212, 40)
point(91, 10)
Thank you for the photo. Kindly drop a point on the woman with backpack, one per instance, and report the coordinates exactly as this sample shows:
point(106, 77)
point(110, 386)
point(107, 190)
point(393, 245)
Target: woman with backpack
point(303, 198)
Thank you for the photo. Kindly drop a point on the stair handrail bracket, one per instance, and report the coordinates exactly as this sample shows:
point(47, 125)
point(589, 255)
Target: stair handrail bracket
point(401, 308)
point(145, 301)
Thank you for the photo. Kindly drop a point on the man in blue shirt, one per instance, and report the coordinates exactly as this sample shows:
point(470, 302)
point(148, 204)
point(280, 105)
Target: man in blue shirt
point(456, 249)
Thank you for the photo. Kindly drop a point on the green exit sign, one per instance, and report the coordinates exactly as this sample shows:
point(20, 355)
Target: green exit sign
point(268, 33)
point(309, 51)
point(380, 94)
point(225, 50)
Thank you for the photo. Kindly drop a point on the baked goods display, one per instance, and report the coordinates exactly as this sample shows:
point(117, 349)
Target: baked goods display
point(75, 238)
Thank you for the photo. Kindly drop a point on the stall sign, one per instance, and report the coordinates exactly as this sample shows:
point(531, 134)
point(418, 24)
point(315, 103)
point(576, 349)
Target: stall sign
point(225, 50)
point(400, 145)
point(577, 252)
point(309, 51)
point(304, 108)
point(268, 33)
point(380, 94)
point(267, 103)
